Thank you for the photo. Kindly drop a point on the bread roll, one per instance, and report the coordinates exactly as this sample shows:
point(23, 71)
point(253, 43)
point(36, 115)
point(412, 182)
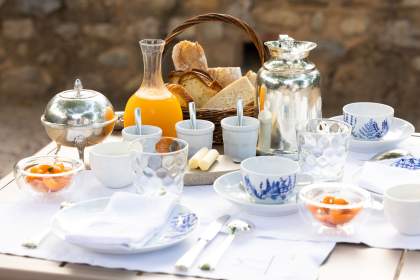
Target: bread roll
point(188, 55)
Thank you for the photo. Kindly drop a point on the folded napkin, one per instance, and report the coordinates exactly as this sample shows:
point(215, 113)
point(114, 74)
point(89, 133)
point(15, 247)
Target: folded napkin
point(128, 218)
point(380, 175)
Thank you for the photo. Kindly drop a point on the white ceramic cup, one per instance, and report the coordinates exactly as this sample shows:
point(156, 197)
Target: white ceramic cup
point(369, 120)
point(402, 208)
point(196, 138)
point(129, 133)
point(240, 142)
point(269, 179)
point(111, 164)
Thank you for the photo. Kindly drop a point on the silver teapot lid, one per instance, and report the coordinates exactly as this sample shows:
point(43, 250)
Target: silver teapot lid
point(79, 107)
point(288, 48)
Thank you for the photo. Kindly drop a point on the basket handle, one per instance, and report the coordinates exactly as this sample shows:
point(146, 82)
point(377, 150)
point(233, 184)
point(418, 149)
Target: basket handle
point(262, 52)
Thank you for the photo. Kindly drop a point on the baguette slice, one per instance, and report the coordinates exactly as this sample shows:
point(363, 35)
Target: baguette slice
point(227, 97)
point(225, 75)
point(180, 93)
point(199, 86)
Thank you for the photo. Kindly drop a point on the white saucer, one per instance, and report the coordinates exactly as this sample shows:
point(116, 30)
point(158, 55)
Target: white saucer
point(181, 224)
point(399, 131)
point(229, 187)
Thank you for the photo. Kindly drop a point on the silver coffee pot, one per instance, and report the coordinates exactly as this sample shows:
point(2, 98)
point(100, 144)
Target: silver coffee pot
point(78, 118)
point(288, 92)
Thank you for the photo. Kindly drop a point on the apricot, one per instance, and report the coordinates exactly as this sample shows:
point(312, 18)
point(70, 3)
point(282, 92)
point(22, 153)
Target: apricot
point(50, 184)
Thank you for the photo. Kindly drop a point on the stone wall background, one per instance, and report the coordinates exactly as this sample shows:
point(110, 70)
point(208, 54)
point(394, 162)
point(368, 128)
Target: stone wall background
point(368, 50)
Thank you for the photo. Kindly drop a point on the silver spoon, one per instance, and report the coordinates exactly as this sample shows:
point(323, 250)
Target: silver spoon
point(395, 153)
point(137, 117)
point(193, 115)
point(240, 112)
point(35, 241)
point(233, 228)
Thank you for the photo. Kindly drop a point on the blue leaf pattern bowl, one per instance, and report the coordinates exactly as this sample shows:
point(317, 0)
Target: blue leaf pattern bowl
point(370, 130)
point(275, 191)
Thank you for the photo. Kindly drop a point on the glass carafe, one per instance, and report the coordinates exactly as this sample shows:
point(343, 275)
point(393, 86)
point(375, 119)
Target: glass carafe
point(158, 106)
point(289, 89)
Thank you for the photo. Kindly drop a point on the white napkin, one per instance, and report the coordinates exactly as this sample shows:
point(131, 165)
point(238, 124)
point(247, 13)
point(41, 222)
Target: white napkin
point(378, 176)
point(127, 219)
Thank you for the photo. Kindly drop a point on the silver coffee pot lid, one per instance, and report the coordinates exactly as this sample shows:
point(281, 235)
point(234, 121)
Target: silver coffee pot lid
point(78, 107)
point(288, 48)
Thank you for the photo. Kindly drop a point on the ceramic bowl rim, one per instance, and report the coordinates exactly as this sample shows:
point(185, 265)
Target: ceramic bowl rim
point(230, 127)
point(395, 199)
point(208, 129)
point(126, 154)
point(278, 175)
point(158, 131)
point(389, 111)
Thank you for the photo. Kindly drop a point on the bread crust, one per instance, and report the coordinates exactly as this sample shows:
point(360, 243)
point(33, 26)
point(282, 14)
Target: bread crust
point(180, 93)
point(188, 55)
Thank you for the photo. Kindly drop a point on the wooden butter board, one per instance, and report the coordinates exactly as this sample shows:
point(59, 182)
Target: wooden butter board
point(223, 165)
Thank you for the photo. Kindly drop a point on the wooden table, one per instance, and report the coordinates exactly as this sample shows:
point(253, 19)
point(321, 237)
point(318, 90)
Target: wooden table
point(345, 262)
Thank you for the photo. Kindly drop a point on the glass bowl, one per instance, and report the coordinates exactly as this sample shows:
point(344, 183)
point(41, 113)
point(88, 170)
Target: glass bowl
point(45, 175)
point(333, 207)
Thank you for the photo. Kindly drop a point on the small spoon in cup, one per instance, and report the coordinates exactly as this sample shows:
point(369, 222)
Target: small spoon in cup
point(137, 117)
point(193, 115)
point(240, 112)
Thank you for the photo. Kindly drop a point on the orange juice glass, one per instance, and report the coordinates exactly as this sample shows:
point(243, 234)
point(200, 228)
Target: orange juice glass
point(158, 106)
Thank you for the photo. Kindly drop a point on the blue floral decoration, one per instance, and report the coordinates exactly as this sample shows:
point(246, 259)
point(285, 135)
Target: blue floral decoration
point(410, 163)
point(370, 130)
point(183, 223)
point(276, 190)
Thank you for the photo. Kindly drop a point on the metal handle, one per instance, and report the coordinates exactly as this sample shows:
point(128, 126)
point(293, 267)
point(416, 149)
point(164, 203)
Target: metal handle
point(187, 260)
point(36, 241)
point(216, 255)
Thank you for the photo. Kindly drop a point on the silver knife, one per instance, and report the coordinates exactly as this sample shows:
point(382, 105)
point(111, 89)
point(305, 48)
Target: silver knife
point(187, 260)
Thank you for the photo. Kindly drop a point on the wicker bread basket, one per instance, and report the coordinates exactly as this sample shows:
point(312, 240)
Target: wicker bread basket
point(215, 115)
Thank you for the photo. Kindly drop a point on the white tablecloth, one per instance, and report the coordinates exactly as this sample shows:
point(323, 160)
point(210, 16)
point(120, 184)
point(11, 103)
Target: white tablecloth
point(278, 249)
point(250, 257)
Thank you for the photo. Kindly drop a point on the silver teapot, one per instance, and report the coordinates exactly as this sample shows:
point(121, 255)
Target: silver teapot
point(289, 92)
point(78, 118)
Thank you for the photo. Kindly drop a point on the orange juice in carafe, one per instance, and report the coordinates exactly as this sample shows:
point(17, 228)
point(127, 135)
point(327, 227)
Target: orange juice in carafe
point(158, 106)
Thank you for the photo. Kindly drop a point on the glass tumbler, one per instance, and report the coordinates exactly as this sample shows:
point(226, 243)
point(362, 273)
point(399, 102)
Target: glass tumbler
point(159, 167)
point(323, 147)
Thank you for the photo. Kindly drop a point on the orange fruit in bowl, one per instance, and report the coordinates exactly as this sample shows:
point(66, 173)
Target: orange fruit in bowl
point(45, 183)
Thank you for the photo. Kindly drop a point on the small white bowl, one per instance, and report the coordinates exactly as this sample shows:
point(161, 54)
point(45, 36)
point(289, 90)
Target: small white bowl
point(111, 164)
point(129, 133)
point(240, 142)
point(402, 208)
point(269, 179)
point(370, 121)
point(196, 138)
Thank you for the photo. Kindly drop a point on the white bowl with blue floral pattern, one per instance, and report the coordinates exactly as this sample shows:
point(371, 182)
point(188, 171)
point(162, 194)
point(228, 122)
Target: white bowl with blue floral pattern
point(399, 131)
point(370, 121)
point(269, 179)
